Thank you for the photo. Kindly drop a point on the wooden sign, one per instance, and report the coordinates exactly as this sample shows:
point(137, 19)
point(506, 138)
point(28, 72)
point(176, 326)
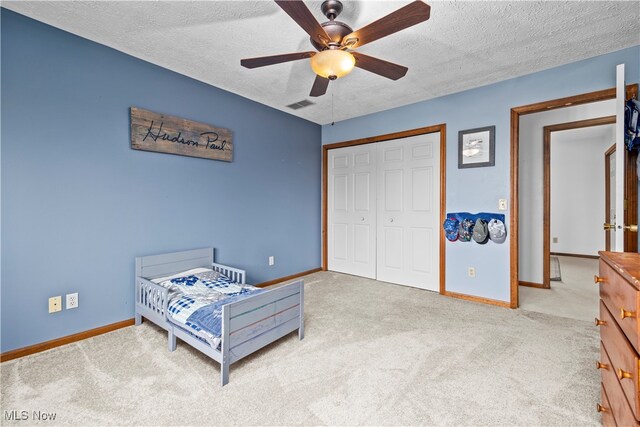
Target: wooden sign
point(168, 134)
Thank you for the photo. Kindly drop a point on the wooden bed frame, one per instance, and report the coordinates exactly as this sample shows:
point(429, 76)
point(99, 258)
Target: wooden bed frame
point(269, 314)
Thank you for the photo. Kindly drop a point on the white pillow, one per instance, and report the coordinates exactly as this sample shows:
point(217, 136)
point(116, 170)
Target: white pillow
point(191, 272)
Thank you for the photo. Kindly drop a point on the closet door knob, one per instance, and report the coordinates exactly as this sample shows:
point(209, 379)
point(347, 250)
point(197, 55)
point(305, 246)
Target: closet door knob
point(601, 408)
point(390, 219)
point(361, 218)
point(624, 374)
point(600, 322)
point(600, 365)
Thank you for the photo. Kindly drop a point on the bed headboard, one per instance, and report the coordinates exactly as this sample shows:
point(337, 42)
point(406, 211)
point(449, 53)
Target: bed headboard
point(174, 262)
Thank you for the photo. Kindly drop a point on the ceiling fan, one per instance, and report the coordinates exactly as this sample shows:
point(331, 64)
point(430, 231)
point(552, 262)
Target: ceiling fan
point(335, 41)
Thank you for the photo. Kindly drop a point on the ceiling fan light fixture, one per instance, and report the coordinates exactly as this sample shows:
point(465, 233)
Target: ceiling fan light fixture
point(332, 63)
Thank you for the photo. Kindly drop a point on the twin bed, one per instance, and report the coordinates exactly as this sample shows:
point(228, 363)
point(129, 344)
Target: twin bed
point(210, 307)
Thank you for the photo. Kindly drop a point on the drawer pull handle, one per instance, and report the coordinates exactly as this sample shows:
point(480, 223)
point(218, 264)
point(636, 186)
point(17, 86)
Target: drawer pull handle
point(600, 365)
point(598, 279)
point(601, 408)
point(624, 313)
point(624, 374)
point(600, 322)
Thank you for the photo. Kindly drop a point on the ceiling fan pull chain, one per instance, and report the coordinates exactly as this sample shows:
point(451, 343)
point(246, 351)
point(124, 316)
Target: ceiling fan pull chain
point(333, 89)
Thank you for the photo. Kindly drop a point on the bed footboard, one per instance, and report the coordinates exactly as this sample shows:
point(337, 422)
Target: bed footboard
point(151, 302)
point(252, 323)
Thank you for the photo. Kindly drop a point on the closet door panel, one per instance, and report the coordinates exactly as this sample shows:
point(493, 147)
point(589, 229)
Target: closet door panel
point(352, 211)
point(393, 244)
point(392, 154)
point(362, 159)
point(340, 193)
point(421, 184)
point(392, 191)
point(340, 239)
point(362, 192)
point(421, 244)
point(408, 202)
point(362, 243)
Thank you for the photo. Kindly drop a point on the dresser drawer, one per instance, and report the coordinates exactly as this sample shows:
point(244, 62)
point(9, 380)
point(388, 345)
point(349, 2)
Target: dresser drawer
point(622, 299)
point(618, 405)
point(624, 359)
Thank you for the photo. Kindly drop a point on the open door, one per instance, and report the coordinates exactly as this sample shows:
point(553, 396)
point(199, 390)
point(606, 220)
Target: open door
point(624, 225)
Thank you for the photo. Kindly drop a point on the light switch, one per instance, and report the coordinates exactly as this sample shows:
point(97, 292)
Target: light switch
point(502, 204)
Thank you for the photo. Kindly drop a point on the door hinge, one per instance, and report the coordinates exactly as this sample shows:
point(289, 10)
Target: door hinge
point(626, 204)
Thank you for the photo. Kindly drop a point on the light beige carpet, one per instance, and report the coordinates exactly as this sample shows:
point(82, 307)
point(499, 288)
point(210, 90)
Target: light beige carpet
point(374, 354)
point(575, 297)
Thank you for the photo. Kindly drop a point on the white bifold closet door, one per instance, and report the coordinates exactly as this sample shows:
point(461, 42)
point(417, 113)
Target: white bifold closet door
point(351, 205)
point(409, 211)
point(384, 211)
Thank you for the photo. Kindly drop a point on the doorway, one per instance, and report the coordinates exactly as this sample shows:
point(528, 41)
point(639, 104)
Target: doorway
point(516, 114)
point(365, 227)
point(574, 208)
point(578, 197)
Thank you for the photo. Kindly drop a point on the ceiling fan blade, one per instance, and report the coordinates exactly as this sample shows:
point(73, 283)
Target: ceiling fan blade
point(275, 59)
point(405, 17)
point(378, 66)
point(320, 86)
point(299, 12)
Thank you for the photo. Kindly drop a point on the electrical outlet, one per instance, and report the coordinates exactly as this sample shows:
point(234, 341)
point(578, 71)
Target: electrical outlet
point(55, 304)
point(502, 204)
point(72, 301)
point(272, 260)
point(471, 272)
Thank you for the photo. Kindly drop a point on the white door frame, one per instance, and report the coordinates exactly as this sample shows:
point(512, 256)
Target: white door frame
point(442, 128)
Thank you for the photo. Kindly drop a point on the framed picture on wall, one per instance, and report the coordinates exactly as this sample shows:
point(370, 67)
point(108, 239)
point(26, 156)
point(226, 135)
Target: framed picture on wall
point(476, 147)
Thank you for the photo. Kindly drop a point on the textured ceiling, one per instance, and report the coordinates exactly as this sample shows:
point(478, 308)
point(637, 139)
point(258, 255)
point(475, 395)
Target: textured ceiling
point(463, 45)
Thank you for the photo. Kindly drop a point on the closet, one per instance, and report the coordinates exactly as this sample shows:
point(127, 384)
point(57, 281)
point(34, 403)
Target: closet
point(383, 210)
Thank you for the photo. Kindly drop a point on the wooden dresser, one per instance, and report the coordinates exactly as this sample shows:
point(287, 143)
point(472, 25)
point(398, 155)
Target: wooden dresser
point(619, 323)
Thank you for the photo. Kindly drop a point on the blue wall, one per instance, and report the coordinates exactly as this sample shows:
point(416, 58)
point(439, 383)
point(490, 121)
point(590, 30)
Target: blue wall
point(78, 204)
point(478, 190)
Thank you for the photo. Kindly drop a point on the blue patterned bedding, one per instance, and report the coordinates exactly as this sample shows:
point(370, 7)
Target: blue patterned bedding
point(196, 300)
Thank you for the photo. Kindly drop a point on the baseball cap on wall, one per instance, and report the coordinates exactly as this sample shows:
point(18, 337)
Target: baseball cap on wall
point(465, 230)
point(451, 229)
point(480, 231)
point(497, 231)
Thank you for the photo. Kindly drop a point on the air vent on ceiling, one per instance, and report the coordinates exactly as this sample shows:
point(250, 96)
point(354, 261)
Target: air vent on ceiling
point(300, 104)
